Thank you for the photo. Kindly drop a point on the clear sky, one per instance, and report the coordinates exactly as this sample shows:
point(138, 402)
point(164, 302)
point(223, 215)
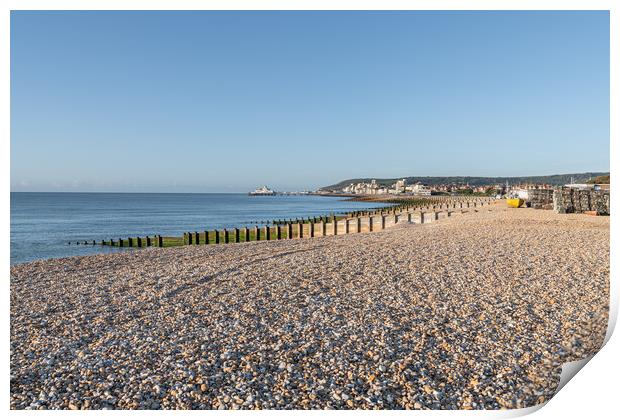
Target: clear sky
point(228, 101)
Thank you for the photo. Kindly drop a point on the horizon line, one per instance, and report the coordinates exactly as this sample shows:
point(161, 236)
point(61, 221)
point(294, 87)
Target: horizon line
point(318, 188)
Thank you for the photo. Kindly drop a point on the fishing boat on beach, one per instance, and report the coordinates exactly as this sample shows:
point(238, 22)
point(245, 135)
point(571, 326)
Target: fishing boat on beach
point(515, 202)
point(517, 197)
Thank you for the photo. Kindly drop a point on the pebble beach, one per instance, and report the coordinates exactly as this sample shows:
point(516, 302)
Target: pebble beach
point(474, 311)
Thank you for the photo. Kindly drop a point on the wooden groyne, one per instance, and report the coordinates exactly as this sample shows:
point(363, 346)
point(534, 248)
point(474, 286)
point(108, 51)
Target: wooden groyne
point(349, 223)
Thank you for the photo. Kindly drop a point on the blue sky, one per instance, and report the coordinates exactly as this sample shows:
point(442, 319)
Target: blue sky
point(227, 101)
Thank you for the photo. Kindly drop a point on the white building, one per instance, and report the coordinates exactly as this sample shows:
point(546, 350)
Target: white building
point(420, 189)
point(399, 187)
point(364, 188)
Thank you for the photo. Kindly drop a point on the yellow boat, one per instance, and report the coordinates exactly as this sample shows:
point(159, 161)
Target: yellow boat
point(515, 202)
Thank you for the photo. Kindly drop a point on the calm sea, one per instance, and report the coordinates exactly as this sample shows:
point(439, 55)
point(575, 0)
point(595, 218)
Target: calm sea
point(43, 223)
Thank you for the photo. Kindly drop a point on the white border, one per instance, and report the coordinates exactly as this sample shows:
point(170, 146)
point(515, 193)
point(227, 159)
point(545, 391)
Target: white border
point(592, 394)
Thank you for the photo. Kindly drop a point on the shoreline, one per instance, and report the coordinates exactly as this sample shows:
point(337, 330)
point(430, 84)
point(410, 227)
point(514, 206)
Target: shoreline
point(415, 316)
point(340, 223)
point(110, 216)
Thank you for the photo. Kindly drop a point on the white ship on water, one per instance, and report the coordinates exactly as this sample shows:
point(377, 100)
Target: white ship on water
point(262, 191)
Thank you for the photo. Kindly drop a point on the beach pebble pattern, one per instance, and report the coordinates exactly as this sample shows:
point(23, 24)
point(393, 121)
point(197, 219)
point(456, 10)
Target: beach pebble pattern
point(477, 311)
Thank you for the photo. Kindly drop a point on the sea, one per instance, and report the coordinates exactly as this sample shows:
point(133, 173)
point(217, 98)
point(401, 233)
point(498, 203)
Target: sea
point(43, 224)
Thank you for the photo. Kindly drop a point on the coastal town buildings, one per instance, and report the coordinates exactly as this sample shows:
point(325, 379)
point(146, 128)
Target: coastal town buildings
point(365, 188)
point(401, 187)
point(420, 189)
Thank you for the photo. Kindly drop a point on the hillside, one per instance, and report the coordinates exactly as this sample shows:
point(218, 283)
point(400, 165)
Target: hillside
point(604, 179)
point(475, 181)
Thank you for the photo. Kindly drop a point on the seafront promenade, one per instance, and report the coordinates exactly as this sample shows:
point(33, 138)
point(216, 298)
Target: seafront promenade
point(468, 312)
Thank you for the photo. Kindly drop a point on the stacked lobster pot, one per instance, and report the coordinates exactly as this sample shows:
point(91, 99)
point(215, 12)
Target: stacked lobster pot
point(572, 200)
point(540, 198)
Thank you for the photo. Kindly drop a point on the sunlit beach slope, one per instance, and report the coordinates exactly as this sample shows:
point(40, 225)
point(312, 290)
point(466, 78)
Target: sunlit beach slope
point(475, 311)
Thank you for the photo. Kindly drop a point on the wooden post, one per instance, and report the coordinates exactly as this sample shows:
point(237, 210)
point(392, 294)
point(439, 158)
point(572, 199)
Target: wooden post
point(346, 226)
point(148, 241)
point(278, 232)
point(370, 223)
point(139, 241)
point(160, 241)
point(267, 233)
point(421, 217)
point(206, 232)
point(395, 218)
point(383, 221)
point(120, 243)
point(359, 224)
point(217, 236)
point(246, 234)
point(226, 238)
point(289, 230)
point(257, 233)
point(335, 226)
point(436, 215)
point(322, 227)
point(130, 242)
point(236, 235)
point(312, 229)
point(300, 230)
point(409, 217)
